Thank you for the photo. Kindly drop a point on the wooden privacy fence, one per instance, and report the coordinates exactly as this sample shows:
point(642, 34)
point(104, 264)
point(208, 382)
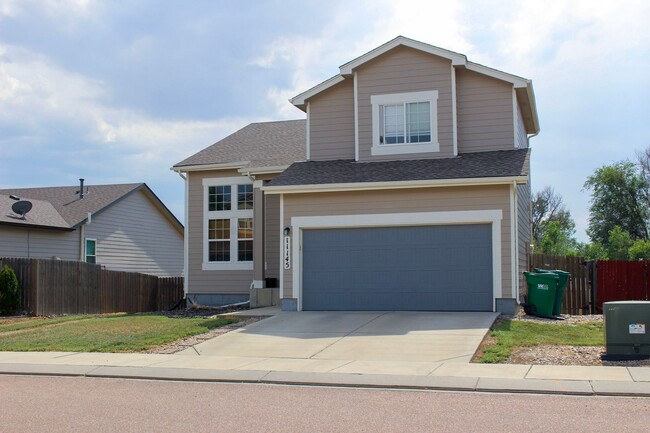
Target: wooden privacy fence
point(578, 296)
point(622, 280)
point(67, 287)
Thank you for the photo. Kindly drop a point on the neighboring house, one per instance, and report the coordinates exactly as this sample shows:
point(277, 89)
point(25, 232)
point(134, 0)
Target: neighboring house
point(406, 188)
point(121, 227)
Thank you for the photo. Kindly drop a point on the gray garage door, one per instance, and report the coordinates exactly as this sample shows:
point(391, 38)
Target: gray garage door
point(428, 268)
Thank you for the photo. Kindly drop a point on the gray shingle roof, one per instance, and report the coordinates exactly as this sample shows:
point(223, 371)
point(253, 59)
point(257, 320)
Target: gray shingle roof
point(64, 201)
point(503, 163)
point(266, 144)
point(42, 214)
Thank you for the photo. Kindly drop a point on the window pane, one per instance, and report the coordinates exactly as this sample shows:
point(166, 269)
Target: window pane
point(245, 228)
point(90, 248)
point(91, 259)
point(219, 229)
point(219, 251)
point(418, 122)
point(219, 198)
point(245, 196)
point(393, 122)
point(245, 251)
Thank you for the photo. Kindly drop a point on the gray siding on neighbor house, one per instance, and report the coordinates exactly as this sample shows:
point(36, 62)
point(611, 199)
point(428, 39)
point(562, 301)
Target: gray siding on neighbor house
point(485, 113)
point(522, 136)
point(200, 281)
point(331, 123)
point(39, 244)
point(524, 231)
point(404, 70)
point(406, 200)
point(134, 236)
point(272, 233)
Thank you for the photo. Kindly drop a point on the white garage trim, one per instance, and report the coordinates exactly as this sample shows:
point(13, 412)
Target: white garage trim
point(492, 217)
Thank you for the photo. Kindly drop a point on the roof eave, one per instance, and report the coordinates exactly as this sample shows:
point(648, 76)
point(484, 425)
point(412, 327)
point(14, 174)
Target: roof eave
point(204, 167)
point(37, 226)
point(366, 186)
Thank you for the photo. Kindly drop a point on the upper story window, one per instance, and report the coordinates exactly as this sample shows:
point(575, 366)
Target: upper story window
point(404, 123)
point(228, 224)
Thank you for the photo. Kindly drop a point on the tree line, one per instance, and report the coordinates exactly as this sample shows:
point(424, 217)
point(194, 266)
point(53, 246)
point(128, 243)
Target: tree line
point(619, 215)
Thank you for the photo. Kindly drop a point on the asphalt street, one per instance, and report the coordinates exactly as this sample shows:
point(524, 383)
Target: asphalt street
point(67, 404)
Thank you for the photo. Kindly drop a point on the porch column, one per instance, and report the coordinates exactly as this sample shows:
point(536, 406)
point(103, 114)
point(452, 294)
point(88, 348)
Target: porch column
point(258, 235)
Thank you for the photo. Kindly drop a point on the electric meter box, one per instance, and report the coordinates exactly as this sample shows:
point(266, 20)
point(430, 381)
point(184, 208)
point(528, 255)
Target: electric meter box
point(627, 329)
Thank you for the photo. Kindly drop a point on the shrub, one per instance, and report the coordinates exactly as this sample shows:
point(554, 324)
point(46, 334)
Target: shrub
point(9, 291)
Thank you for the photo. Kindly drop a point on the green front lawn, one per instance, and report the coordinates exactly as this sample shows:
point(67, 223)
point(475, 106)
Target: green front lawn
point(510, 334)
point(115, 333)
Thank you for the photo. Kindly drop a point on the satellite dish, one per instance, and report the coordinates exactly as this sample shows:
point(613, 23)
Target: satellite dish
point(21, 208)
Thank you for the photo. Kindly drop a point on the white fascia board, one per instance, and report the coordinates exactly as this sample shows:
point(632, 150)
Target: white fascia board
point(456, 58)
point(499, 75)
point(204, 167)
point(301, 99)
point(533, 107)
point(263, 170)
point(368, 186)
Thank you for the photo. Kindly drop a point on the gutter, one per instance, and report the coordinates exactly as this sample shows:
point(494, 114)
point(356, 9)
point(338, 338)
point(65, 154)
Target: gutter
point(369, 186)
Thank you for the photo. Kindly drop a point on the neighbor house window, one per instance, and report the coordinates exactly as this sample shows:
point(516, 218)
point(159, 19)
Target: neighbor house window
point(228, 224)
point(405, 123)
point(91, 251)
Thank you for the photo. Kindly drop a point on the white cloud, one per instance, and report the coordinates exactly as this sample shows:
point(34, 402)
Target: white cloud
point(311, 60)
point(35, 94)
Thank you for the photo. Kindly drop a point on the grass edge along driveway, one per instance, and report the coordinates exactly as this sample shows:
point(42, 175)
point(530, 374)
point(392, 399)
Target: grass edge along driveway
point(510, 334)
point(103, 333)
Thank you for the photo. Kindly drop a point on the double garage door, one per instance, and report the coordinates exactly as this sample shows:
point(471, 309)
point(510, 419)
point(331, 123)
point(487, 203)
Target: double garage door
point(423, 268)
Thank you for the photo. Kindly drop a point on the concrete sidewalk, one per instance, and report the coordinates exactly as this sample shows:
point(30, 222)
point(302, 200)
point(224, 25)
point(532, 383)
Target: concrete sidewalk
point(574, 380)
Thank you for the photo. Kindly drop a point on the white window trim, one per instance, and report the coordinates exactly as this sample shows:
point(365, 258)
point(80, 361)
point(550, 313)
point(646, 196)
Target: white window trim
point(377, 101)
point(492, 217)
point(86, 247)
point(232, 215)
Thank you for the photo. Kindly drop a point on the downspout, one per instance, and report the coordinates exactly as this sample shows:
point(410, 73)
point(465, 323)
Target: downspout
point(516, 240)
point(531, 136)
point(82, 237)
point(185, 239)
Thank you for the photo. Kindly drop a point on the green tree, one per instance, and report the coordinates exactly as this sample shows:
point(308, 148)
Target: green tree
point(640, 250)
point(591, 251)
point(618, 198)
point(556, 240)
point(9, 291)
point(618, 245)
point(548, 206)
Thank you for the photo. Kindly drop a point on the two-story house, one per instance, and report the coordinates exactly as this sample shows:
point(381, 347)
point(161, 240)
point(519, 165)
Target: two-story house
point(406, 188)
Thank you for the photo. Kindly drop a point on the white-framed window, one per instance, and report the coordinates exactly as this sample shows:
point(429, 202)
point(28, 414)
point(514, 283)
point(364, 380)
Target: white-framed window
point(228, 224)
point(90, 250)
point(405, 123)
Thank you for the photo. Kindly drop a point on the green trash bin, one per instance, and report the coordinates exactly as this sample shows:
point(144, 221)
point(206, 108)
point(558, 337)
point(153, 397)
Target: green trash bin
point(542, 288)
point(561, 287)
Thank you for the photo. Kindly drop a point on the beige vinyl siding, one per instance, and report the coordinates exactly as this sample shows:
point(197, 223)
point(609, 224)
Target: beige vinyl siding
point(272, 234)
point(524, 231)
point(404, 70)
point(331, 123)
point(406, 200)
point(39, 244)
point(521, 137)
point(134, 236)
point(485, 113)
point(200, 281)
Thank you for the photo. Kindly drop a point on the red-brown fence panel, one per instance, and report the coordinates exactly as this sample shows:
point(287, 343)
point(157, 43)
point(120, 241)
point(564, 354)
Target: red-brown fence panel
point(622, 280)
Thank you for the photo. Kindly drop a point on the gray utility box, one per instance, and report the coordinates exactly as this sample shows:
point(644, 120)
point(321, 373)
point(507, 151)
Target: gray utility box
point(627, 329)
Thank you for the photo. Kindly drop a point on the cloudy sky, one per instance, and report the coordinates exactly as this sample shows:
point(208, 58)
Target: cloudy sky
point(120, 91)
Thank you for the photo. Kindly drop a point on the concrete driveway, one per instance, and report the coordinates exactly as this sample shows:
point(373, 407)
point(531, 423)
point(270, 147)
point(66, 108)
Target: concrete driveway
point(352, 342)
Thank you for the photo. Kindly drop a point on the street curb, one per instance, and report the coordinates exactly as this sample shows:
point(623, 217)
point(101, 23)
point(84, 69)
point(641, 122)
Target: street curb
point(376, 381)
